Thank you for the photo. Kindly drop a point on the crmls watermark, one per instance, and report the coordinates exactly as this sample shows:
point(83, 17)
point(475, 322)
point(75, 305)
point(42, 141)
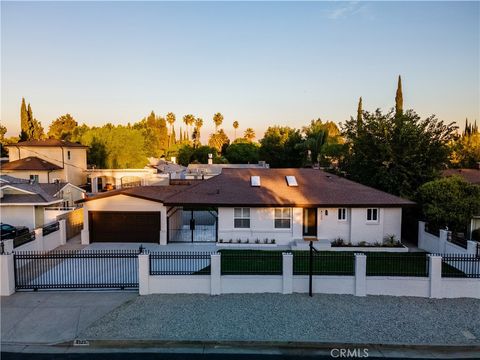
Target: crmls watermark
point(349, 353)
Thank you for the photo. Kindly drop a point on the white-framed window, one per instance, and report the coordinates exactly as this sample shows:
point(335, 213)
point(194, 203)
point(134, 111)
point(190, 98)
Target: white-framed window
point(34, 178)
point(372, 215)
point(342, 214)
point(283, 218)
point(241, 218)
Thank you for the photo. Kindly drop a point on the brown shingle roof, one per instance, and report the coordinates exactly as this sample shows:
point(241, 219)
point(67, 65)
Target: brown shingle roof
point(30, 163)
point(315, 188)
point(470, 175)
point(153, 193)
point(48, 142)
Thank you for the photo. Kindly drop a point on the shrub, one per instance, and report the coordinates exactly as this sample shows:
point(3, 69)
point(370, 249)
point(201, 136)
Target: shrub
point(338, 242)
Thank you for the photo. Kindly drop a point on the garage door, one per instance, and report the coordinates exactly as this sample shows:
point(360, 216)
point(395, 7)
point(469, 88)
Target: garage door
point(124, 226)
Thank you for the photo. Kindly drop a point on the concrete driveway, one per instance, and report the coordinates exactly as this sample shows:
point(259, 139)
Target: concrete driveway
point(51, 317)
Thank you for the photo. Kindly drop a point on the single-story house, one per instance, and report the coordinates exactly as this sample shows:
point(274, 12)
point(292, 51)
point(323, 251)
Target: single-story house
point(27, 203)
point(286, 205)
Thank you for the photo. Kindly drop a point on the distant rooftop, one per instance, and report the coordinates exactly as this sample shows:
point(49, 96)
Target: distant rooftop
point(30, 163)
point(49, 143)
point(470, 175)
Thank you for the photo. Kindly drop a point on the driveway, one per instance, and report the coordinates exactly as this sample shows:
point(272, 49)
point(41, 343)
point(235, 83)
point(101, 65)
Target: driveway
point(51, 317)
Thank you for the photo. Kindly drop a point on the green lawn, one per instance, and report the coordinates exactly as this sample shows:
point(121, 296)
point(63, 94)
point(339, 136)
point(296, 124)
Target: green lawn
point(252, 262)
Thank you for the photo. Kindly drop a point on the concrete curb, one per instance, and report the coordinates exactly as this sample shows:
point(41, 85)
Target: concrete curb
point(249, 347)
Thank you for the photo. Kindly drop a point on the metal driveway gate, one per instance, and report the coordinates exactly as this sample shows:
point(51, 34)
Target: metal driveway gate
point(100, 269)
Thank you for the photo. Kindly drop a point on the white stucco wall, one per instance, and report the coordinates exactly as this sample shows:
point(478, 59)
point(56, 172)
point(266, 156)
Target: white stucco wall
point(124, 203)
point(18, 215)
point(43, 176)
point(329, 227)
point(389, 223)
point(262, 225)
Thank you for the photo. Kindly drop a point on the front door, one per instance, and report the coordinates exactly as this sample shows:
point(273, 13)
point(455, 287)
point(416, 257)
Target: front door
point(310, 222)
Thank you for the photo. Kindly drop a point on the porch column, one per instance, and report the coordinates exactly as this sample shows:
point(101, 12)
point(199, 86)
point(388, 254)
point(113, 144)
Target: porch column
point(94, 183)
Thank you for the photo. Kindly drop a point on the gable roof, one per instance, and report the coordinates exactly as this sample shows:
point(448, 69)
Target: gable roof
point(315, 188)
point(48, 142)
point(30, 163)
point(40, 194)
point(470, 175)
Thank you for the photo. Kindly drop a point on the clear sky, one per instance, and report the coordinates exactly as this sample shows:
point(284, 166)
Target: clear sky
point(259, 63)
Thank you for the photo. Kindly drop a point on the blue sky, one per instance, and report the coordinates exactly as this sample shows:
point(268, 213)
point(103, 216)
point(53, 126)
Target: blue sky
point(259, 63)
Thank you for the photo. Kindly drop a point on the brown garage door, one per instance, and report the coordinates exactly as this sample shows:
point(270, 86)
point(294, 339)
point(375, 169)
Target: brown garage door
point(124, 226)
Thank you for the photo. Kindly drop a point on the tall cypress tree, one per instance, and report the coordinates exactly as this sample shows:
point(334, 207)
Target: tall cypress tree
point(399, 98)
point(23, 121)
point(359, 114)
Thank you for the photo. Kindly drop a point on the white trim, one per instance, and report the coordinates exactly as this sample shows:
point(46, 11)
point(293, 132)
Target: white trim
point(19, 189)
point(30, 204)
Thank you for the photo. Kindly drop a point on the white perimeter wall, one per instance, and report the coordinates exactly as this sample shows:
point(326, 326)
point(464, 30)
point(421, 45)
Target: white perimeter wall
point(124, 203)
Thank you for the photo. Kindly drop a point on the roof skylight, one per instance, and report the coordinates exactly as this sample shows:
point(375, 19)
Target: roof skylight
point(291, 180)
point(255, 180)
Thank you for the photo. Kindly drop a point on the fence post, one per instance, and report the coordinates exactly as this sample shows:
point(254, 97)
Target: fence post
point(442, 241)
point(63, 231)
point(435, 275)
point(471, 247)
point(39, 239)
point(287, 273)
point(143, 273)
point(7, 275)
point(215, 274)
point(360, 274)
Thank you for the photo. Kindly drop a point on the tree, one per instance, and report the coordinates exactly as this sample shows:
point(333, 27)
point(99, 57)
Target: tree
point(359, 113)
point(62, 128)
point(155, 134)
point(217, 119)
point(187, 155)
point(31, 128)
point(235, 127)
point(171, 119)
point(249, 134)
point(196, 132)
point(242, 152)
point(219, 141)
point(279, 147)
point(396, 153)
point(449, 202)
point(188, 120)
point(466, 151)
point(399, 98)
point(3, 131)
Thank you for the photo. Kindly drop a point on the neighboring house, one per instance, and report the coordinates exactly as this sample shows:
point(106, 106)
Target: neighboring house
point(473, 177)
point(206, 171)
point(47, 160)
point(287, 205)
point(110, 179)
point(26, 203)
point(170, 168)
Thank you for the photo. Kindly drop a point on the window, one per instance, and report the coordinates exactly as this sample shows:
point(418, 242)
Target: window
point(68, 154)
point(372, 215)
point(282, 218)
point(34, 178)
point(241, 218)
point(342, 214)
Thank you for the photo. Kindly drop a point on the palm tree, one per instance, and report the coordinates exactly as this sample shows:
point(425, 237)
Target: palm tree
point(171, 119)
point(249, 134)
point(235, 127)
point(188, 120)
point(196, 132)
point(217, 119)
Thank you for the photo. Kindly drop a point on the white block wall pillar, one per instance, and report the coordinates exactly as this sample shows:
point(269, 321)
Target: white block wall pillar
point(144, 274)
point(8, 246)
point(63, 231)
point(435, 275)
point(471, 247)
point(7, 275)
point(85, 233)
point(215, 275)
point(287, 272)
point(442, 241)
point(39, 239)
point(360, 275)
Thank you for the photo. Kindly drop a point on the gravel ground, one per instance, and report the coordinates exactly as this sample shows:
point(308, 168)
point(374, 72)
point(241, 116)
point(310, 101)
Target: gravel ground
point(276, 317)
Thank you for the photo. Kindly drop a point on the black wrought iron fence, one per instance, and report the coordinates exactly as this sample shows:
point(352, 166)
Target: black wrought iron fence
point(324, 263)
point(397, 264)
point(458, 239)
point(434, 230)
point(180, 263)
point(113, 269)
point(460, 265)
point(23, 239)
point(50, 228)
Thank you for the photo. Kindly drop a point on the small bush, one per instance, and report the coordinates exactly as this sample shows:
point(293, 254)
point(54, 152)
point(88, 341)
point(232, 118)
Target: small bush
point(390, 240)
point(338, 242)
